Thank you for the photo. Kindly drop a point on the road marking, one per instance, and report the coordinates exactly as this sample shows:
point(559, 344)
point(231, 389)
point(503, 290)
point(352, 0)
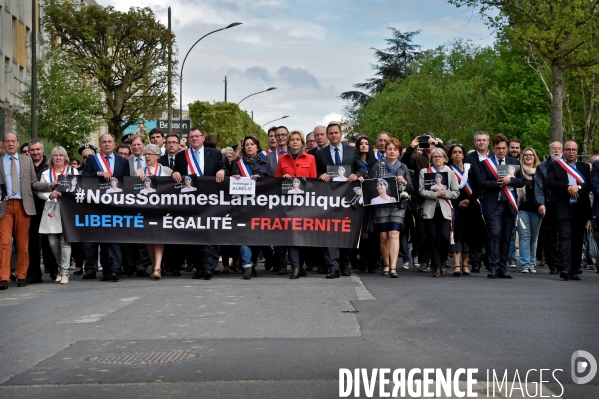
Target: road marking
point(361, 291)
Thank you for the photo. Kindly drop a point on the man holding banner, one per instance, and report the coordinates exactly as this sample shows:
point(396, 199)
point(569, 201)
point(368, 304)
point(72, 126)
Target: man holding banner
point(201, 161)
point(105, 164)
point(499, 205)
point(569, 207)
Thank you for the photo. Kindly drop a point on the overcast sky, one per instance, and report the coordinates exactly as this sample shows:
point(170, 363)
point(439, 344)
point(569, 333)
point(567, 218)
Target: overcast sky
point(312, 51)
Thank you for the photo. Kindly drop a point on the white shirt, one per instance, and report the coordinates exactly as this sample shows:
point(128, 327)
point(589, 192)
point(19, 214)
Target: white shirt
point(482, 157)
point(142, 160)
point(8, 176)
point(340, 153)
point(200, 158)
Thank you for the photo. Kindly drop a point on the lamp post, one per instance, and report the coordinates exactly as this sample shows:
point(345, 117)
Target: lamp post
point(274, 120)
point(263, 91)
point(234, 24)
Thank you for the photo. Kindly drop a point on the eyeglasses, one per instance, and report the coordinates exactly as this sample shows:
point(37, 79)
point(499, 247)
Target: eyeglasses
point(571, 149)
point(438, 156)
point(280, 135)
point(311, 141)
point(85, 156)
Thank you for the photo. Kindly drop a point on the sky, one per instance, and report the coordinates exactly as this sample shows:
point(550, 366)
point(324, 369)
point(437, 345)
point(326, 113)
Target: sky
point(310, 50)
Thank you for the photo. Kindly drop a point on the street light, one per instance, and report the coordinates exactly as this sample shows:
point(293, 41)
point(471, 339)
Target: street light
point(286, 116)
point(234, 24)
point(263, 91)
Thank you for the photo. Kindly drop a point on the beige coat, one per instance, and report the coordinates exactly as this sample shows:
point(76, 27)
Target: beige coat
point(51, 225)
point(430, 197)
point(29, 183)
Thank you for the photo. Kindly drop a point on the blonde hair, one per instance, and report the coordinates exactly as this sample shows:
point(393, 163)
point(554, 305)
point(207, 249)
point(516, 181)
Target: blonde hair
point(303, 140)
point(537, 161)
point(440, 151)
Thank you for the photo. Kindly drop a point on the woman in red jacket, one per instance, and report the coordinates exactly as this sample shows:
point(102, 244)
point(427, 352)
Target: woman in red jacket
point(296, 163)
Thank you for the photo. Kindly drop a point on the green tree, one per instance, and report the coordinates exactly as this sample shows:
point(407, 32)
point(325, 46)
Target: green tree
point(69, 109)
point(226, 121)
point(125, 53)
point(556, 31)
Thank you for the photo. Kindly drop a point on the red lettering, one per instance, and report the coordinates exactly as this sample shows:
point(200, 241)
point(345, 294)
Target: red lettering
point(346, 226)
point(336, 224)
point(296, 224)
point(277, 224)
point(286, 221)
point(265, 224)
point(320, 225)
point(308, 224)
point(328, 224)
point(255, 223)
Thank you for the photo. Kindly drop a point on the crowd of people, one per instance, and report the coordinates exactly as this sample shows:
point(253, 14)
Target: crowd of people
point(470, 205)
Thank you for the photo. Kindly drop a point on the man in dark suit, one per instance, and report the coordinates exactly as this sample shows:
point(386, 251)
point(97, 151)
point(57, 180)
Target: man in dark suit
point(204, 162)
point(338, 154)
point(105, 164)
point(173, 144)
point(499, 205)
point(569, 207)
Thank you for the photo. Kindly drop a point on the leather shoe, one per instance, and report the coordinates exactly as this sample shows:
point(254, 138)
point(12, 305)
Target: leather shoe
point(504, 275)
point(564, 275)
point(105, 277)
point(13, 276)
point(333, 273)
point(90, 274)
point(197, 274)
point(207, 275)
point(34, 280)
point(21, 282)
point(142, 273)
point(345, 271)
point(475, 269)
point(491, 275)
point(113, 277)
point(247, 273)
point(575, 277)
point(3, 285)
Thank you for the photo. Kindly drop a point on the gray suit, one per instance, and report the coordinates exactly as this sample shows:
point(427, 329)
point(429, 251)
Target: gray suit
point(29, 183)
point(272, 161)
point(133, 167)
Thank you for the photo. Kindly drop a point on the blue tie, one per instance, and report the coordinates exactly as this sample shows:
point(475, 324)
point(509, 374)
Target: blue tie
point(282, 152)
point(337, 159)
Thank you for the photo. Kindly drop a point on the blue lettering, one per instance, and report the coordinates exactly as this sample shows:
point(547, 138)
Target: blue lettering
point(77, 222)
point(94, 220)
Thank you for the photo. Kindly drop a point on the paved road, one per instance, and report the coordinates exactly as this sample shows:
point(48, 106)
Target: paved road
point(274, 337)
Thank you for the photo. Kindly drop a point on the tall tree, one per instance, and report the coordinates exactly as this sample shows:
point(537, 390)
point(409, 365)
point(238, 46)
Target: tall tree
point(125, 53)
point(226, 121)
point(69, 109)
point(394, 63)
point(557, 31)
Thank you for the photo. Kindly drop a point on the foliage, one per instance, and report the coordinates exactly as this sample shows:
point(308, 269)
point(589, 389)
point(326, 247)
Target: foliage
point(226, 121)
point(394, 64)
point(126, 54)
point(69, 109)
point(557, 33)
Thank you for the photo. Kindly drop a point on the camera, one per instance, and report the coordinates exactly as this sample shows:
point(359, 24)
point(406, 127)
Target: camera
point(423, 142)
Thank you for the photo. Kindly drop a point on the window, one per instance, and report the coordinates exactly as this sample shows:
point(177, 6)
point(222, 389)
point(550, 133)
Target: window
point(6, 70)
point(14, 32)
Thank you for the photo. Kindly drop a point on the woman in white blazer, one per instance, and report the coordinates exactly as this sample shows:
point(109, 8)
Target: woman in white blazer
point(437, 210)
point(50, 223)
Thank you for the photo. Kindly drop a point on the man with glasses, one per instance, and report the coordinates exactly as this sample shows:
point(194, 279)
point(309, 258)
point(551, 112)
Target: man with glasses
point(25, 149)
point(273, 157)
point(310, 141)
point(381, 143)
point(123, 151)
point(173, 144)
point(569, 207)
point(203, 161)
point(85, 151)
point(542, 196)
point(499, 205)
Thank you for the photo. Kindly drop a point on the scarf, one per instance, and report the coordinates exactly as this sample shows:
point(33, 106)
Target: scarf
point(528, 170)
point(252, 162)
point(392, 168)
point(294, 155)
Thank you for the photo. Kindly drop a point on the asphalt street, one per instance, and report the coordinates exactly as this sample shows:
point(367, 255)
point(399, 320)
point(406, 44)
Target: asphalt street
point(272, 337)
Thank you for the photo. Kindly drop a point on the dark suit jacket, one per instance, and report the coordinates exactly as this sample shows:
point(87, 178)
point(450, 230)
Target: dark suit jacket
point(557, 181)
point(350, 157)
point(121, 166)
point(488, 183)
point(29, 183)
point(164, 160)
point(595, 187)
point(472, 159)
point(213, 162)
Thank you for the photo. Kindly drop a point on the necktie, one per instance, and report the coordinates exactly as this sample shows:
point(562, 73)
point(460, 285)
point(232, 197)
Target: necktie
point(171, 163)
point(14, 176)
point(283, 152)
point(138, 165)
point(337, 158)
point(501, 162)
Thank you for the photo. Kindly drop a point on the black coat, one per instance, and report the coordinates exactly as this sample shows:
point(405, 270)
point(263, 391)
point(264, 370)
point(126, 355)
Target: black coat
point(350, 157)
point(213, 162)
point(557, 181)
point(121, 166)
point(488, 183)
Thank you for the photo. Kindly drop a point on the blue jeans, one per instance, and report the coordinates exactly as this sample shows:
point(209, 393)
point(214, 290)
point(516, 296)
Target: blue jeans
point(528, 238)
point(511, 257)
point(404, 247)
point(245, 253)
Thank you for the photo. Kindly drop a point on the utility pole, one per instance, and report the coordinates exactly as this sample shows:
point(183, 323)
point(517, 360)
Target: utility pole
point(225, 89)
point(33, 69)
point(169, 122)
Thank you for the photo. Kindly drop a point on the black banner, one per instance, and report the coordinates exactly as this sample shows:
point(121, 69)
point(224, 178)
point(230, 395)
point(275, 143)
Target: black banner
point(201, 211)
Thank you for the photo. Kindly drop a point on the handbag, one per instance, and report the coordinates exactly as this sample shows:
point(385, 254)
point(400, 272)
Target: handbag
point(368, 222)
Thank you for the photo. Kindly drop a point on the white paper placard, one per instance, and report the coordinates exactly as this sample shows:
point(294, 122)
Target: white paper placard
point(243, 186)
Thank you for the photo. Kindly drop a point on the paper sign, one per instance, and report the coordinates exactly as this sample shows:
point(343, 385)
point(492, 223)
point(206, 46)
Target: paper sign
point(243, 186)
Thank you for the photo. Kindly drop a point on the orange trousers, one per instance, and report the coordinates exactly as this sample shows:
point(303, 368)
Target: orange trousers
point(14, 223)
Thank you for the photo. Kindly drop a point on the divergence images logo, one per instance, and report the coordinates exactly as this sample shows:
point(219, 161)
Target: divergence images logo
point(581, 360)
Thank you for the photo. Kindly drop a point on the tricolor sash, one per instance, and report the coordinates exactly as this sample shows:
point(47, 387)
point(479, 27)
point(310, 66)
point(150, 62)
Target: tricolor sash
point(157, 170)
point(264, 153)
point(103, 163)
point(459, 174)
point(571, 171)
point(53, 175)
point(433, 169)
point(510, 195)
point(379, 156)
point(244, 169)
point(365, 165)
point(193, 167)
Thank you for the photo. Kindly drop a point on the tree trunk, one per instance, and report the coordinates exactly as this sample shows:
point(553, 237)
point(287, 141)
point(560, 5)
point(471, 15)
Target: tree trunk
point(556, 129)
